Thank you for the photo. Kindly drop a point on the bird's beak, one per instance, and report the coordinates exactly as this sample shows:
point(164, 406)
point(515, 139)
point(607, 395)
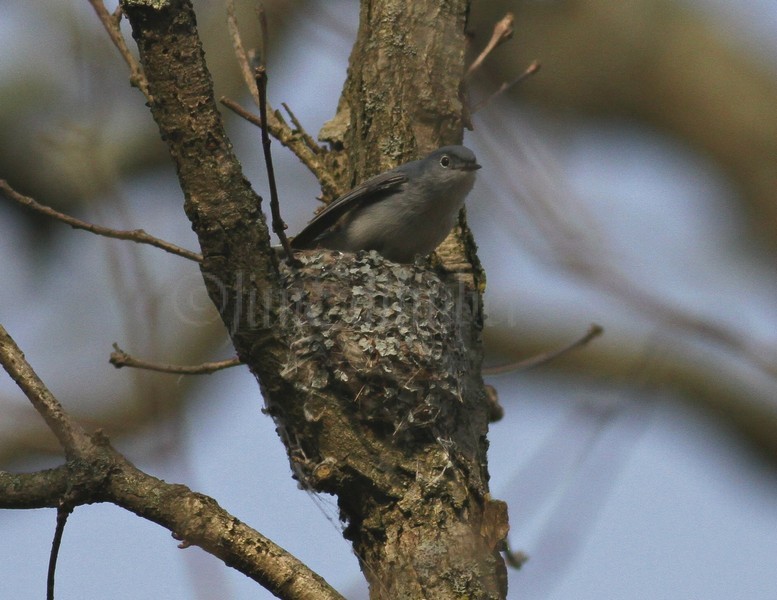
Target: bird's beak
point(470, 166)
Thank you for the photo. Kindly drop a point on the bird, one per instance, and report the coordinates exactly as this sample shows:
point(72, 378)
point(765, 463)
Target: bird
point(402, 213)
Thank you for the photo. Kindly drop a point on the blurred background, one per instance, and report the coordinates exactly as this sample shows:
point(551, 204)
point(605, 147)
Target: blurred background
point(631, 183)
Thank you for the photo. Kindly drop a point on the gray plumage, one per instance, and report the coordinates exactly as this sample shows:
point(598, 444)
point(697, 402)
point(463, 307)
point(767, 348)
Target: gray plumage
point(401, 213)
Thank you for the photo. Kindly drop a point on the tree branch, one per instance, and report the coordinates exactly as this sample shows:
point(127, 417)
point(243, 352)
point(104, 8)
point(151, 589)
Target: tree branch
point(594, 331)
point(503, 31)
point(278, 225)
point(42, 489)
point(71, 435)
point(136, 235)
point(309, 141)
point(533, 67)
point(95, 472)
point(194, 518)
point(198, 520)
point(111, 25)
point(291, 140)
point(63, 512)
point(119, 358)
point(297, 142)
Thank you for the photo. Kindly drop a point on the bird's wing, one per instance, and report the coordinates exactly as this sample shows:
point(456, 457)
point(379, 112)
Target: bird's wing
point(365, 192)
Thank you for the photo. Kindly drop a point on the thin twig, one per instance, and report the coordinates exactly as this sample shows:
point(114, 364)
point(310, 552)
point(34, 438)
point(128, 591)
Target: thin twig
point(119, 358)
point(70, 434)
point(256, 82)
point(530, 70)
point(63, 512)
point(311, 143)
point(240, 52)
point(545, 357)
point(293, 142)
point(134, 235)
point(240, 111)
point(503, 31)
point(278, 129)
point(111, 24)
point(278, 226)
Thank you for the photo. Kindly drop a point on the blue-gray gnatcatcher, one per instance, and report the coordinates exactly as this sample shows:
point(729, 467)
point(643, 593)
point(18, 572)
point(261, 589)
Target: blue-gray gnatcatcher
point(400, 213)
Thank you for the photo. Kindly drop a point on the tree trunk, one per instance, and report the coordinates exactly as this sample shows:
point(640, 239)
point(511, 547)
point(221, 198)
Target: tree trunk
point(371, 370)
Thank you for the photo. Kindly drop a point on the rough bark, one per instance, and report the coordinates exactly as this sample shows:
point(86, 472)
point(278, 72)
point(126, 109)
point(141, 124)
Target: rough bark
point(401, 97)
point(370, 369)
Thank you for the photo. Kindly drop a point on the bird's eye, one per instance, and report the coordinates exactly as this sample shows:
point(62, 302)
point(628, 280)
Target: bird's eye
point(445, 162)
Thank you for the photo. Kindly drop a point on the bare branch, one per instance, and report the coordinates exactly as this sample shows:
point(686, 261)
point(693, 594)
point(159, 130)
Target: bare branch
point(99, 474)
point(530, 70)
point(294, 142)
point(277, 128)
point(42, 489)
point(70, 434)
point(194, 518)
point(593, 332)
point(119, 358)
point(63, 512)
point(242, 112)
point(503, 31)
point(111, 24)
point(309, 141)
point(278, 225)
point(240, 51)
point(138, 236)
point(198, 520)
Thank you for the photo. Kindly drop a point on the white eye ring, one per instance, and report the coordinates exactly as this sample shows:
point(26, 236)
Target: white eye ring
point(445, 161)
